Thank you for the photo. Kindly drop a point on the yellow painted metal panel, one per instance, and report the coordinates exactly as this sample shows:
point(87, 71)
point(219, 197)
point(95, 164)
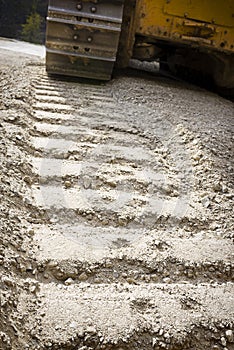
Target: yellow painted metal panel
point(186, 21)
point(219, 12)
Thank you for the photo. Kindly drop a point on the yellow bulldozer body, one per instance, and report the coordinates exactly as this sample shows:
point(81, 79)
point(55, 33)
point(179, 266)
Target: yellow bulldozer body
point(200, 23)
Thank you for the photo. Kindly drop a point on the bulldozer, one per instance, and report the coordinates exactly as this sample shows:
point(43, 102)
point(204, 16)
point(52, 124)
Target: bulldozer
point(89, 39)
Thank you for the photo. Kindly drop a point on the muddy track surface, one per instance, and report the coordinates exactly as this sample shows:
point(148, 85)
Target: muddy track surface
point(116, 214)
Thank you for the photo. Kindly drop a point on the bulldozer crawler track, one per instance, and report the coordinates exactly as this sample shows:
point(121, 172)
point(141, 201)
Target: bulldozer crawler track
point(82, 40)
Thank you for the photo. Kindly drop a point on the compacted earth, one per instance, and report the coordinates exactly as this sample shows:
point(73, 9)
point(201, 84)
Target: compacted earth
point(116, 211)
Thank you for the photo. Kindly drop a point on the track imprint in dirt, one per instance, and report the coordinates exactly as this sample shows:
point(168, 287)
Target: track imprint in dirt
point(94, 169)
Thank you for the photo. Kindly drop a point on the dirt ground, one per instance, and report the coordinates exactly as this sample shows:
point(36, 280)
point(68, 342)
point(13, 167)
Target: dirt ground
point(116, 211)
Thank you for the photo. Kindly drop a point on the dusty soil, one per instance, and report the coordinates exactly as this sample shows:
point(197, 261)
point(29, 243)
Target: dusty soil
point(116, 212)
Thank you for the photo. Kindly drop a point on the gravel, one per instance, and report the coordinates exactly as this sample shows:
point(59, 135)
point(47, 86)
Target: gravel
point(116, 212)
